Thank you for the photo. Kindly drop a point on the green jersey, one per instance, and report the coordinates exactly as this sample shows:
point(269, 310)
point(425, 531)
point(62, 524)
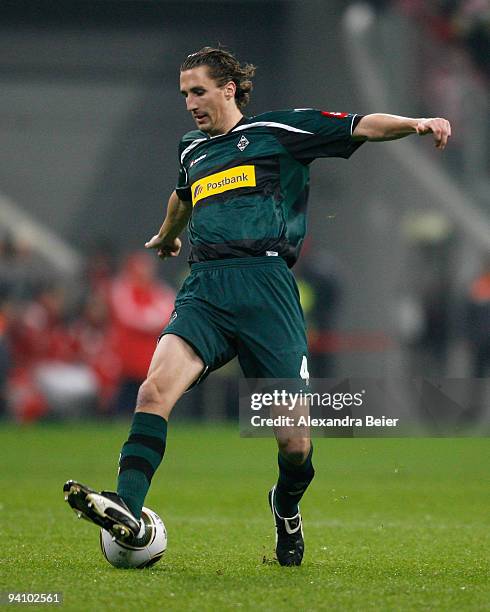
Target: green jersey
point(249, 187)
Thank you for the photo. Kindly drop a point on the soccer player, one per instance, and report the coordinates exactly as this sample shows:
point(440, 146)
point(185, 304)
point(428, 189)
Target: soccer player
point(242, 192)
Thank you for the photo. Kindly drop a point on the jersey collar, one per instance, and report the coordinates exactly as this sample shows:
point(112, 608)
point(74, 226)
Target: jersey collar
point(241, 122)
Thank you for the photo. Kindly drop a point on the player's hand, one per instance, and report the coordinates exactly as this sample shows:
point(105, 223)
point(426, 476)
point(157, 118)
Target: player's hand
point(165, 248)
point(440, 128)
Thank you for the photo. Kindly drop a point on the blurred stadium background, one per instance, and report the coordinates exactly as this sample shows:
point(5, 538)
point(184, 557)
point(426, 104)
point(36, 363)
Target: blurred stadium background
point(395, 275)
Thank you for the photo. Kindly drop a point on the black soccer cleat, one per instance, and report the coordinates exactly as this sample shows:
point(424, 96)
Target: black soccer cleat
point(290, 544)
point(106, 509)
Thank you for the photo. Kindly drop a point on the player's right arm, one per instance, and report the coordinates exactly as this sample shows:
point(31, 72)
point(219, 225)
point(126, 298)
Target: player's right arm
point(167, 241)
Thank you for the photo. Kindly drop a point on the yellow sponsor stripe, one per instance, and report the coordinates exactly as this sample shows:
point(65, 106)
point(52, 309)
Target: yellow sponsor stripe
point(234, 178)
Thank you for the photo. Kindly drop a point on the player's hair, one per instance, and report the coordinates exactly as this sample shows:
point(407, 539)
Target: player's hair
point(223, 68)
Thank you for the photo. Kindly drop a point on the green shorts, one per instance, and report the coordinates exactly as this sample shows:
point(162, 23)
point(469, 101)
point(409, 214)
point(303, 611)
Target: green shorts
point(246, 307)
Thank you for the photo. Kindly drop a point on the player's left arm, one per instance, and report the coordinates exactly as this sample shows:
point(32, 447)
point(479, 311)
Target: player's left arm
point(167, 241)
point(380, 127)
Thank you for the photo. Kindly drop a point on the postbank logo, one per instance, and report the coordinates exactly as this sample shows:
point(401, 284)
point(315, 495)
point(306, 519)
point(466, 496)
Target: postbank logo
point(240, 176)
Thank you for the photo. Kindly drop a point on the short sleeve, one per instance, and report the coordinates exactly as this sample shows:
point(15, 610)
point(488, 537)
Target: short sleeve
point(182, 188)
point(315, 133)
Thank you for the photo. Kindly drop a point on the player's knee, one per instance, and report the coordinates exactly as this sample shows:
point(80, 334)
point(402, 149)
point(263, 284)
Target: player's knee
point(151, 395)
point(295, 450)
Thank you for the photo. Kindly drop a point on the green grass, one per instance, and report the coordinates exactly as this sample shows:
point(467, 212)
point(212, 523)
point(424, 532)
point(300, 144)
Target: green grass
point(398, 524)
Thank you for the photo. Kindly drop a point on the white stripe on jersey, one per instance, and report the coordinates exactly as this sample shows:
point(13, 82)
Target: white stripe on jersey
point(193, 144)
point(245, 126)
point(283, 126)
point(352, 124)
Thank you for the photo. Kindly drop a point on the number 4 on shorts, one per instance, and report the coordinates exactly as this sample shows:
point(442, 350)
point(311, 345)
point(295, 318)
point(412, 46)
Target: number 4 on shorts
point(303, 372)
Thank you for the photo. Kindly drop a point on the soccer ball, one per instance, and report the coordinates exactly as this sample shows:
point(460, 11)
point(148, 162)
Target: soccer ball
point(142, 552)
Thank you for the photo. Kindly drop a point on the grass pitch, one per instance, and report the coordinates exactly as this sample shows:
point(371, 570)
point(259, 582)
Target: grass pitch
point(398, 524)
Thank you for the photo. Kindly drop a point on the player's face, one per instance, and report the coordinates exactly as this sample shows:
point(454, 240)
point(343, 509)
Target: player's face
point(205, 100)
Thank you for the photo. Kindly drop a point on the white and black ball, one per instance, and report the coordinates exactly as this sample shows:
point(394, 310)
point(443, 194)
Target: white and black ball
point(140, 552)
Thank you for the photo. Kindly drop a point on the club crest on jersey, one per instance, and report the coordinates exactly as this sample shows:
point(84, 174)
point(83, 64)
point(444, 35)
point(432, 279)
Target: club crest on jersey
point(243, 143)
point(234, 178)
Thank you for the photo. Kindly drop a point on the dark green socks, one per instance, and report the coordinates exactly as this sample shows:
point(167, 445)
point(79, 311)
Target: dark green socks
point(292, 483)
point(140, 457)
